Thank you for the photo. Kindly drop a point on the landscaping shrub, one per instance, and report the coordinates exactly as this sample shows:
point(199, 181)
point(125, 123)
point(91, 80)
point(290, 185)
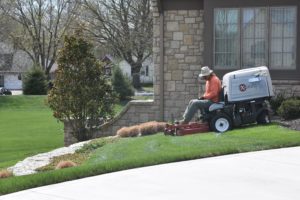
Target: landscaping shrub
point(35, 82)
point(81, 92)
point(121, 84)
point(276, 101)
point(290, 109)
point(5, 174)
point(65, 164)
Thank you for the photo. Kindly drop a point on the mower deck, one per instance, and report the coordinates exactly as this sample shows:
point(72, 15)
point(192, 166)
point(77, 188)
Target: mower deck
point(186, 129)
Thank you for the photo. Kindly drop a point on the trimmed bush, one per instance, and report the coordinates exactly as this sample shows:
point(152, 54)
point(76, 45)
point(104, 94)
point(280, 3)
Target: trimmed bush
point(121, 84)
point(35, 82)
point(65, 164)
point(290, 109)
point(276, 101)
point(132, 131)
point(143, 129)
point(5, 174)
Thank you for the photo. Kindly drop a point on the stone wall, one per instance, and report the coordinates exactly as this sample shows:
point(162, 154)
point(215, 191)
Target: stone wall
point(135, 112)
point(183, 59)
point(286, 87)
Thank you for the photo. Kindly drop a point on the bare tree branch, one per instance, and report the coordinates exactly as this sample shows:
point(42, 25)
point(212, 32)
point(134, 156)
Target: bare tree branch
point(125, 26)
point(44, 23)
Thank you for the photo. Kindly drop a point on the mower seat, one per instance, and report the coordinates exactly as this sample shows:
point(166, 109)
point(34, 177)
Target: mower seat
point(216, 106)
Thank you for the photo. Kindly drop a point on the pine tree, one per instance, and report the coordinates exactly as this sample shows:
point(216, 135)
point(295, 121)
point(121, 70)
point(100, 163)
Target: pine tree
point(34, 82)
point(121, 84)
point(81, 94)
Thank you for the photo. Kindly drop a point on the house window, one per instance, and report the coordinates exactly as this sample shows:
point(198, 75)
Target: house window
point(250, 37)
point(227, 38)
point(254, 37)
point(1, 81)
point(283, 38)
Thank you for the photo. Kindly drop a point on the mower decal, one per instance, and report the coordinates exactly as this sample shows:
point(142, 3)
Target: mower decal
point(243, 87)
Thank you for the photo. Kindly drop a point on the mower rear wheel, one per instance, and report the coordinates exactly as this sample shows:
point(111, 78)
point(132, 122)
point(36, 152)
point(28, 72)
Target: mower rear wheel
point(221, 123)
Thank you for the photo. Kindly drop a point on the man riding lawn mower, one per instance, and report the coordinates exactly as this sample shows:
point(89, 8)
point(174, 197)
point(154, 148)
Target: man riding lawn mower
point(242, 99)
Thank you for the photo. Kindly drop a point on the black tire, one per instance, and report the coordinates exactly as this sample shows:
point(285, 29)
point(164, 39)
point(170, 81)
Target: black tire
point(221, 123)
point(263, 118)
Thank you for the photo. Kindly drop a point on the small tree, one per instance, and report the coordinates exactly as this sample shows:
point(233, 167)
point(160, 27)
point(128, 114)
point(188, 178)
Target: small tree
point(34, 82)
point(121, 84)
point(80, 94)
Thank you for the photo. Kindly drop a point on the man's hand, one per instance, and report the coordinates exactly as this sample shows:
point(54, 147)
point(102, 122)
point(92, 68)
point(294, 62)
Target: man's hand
point(201, 98)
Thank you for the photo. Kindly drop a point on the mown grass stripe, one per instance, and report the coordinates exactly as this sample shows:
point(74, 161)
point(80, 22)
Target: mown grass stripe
point(130, 153)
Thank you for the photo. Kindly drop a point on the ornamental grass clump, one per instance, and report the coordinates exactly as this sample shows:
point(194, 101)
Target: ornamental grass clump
point(65, 164)
point(5, 174)
point(132, 131)
point(148, 128)
point(143, 129)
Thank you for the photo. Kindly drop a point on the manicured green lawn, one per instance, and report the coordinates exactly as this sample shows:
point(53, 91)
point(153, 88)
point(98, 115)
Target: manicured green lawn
point(27, 127)
point(161, 149)
point(129, 153)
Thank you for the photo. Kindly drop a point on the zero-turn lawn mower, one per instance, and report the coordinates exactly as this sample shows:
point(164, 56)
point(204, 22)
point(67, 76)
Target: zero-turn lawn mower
point(244, 100)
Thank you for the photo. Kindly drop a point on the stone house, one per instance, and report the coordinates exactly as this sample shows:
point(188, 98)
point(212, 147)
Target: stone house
point(13, 64)
point(226, 35)
point(146, 73)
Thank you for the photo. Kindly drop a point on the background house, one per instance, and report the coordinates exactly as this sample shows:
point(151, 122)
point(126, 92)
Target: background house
point(13, 64)
point(146, 73)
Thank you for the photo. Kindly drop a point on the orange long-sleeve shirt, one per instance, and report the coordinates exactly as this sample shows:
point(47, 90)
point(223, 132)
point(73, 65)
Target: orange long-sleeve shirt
point(212, 88)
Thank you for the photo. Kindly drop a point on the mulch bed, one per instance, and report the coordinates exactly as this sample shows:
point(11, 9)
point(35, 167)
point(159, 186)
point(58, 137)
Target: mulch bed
point(291, 124)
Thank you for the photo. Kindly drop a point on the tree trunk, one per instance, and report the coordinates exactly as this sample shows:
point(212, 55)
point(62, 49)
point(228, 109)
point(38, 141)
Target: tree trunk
point(136, 81)
point(135, 72)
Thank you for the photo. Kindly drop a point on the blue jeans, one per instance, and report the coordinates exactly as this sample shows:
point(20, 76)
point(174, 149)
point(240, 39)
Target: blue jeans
point(194, 106)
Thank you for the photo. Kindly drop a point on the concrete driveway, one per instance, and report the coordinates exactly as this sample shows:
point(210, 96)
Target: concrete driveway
point(266, 175)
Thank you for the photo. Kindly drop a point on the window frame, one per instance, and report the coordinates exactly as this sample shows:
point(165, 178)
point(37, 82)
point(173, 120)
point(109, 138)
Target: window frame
point(240, 39)
point(242, 66)
point(210, 5)
point(214, 40)
point(283, 38)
